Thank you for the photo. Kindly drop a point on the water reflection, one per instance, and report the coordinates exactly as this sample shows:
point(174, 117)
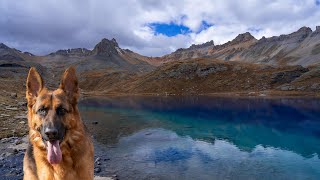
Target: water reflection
point(163, 153)
point(292, 124)
point(207, 137)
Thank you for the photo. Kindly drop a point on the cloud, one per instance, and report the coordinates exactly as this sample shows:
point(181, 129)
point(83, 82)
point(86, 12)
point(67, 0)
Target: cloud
point(170, 152)
point(45, 26)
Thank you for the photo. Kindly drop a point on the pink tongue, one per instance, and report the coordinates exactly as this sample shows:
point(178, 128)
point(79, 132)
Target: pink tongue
point(54, 153)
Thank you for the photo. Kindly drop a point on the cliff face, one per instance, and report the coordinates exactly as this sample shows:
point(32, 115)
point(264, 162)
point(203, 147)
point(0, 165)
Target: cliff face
point(80, 52)
point(298, 48)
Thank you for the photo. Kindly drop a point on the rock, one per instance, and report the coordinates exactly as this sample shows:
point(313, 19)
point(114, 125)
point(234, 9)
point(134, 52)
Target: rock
point(6, 154)
point(4, 140)
point(182, 71)
point(194, 46)
point(103, 178)
point(17, 141)
point(315, 86)
point(12, 108)
point(97, 169)
point(97, 160)
point(15, 151)
point(286, 87)
point(288, 76)
point(13, 95)
point(22, 122)
point(21, 117)
point(5, 115)
point(106, 47)
point(203, 72)
point(72, 52)
point(22, 104)
point(95, 122)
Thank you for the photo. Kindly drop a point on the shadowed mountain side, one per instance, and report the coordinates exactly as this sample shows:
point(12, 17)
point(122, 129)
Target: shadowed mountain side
point(203, 76)
point(14, 68)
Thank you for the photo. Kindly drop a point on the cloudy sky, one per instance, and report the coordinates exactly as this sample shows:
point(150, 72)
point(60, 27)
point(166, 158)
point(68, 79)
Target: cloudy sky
point(149, 27)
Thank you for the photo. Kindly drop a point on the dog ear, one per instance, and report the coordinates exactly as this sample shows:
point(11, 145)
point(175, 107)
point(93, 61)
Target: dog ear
point(69, 84)
point(34, 84)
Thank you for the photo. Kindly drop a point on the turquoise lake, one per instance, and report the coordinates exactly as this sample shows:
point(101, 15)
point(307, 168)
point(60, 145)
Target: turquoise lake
point(205, 137)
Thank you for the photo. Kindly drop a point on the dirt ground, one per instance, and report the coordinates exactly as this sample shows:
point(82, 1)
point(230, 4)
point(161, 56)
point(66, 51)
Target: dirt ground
point(13, 114)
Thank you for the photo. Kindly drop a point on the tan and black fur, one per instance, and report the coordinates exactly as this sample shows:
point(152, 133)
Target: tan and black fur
point(57, 108)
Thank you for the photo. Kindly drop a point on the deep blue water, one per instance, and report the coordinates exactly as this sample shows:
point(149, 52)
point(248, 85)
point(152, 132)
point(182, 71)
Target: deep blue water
point(206, 137)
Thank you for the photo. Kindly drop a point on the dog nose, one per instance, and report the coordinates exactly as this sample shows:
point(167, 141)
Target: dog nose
point(51, 133)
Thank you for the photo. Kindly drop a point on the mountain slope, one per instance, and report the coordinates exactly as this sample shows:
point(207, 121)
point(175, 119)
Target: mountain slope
point(298, 48)
point(286, 63)
point(106, 58)
point(206, 76)
point(105, 55)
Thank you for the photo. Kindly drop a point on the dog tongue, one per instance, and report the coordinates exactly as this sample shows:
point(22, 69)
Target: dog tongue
point(54, 153)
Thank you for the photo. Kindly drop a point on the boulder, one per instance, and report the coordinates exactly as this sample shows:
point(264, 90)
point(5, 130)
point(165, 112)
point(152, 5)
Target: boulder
point(13, 95)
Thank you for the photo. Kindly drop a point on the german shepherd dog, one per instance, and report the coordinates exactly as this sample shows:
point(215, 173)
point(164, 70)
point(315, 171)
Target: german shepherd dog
point(59, 145)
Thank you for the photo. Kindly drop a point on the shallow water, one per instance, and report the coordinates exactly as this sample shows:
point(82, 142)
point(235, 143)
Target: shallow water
point(206, 137)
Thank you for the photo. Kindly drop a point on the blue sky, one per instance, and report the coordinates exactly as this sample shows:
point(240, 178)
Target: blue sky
point(169, 29)
point(172, 29)
point(149, 27)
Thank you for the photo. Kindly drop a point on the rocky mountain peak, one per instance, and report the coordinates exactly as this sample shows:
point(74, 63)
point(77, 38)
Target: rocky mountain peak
point(106, 47)
point(304, 29)
point(72, 52)
point(3, 46)
point(111, 42)
point(206, 44)
point(243, 38)
point(299, 35)
point(304, 32)
point(316, 32)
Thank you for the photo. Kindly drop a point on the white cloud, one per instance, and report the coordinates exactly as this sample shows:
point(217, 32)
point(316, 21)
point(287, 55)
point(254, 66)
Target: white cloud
point(44, 26)
point(219, 33)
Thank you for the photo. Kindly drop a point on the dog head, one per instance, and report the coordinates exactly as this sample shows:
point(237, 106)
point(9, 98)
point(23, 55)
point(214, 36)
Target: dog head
point(51, 113)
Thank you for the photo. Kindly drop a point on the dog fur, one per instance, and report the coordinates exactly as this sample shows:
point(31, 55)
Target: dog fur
point(76, 147)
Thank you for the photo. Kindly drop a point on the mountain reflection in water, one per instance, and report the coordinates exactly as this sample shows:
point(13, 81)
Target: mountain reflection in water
point(208, 136)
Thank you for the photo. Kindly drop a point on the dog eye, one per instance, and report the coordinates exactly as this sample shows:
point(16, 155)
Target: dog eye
point(42, 111)
point(61, 111)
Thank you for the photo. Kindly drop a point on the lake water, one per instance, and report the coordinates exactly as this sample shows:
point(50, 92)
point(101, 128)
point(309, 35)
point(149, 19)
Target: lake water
point(206, 137)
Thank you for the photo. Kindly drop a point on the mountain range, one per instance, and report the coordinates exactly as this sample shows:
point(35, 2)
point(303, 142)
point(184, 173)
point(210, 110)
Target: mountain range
point(286, 63)
point(298, 48)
